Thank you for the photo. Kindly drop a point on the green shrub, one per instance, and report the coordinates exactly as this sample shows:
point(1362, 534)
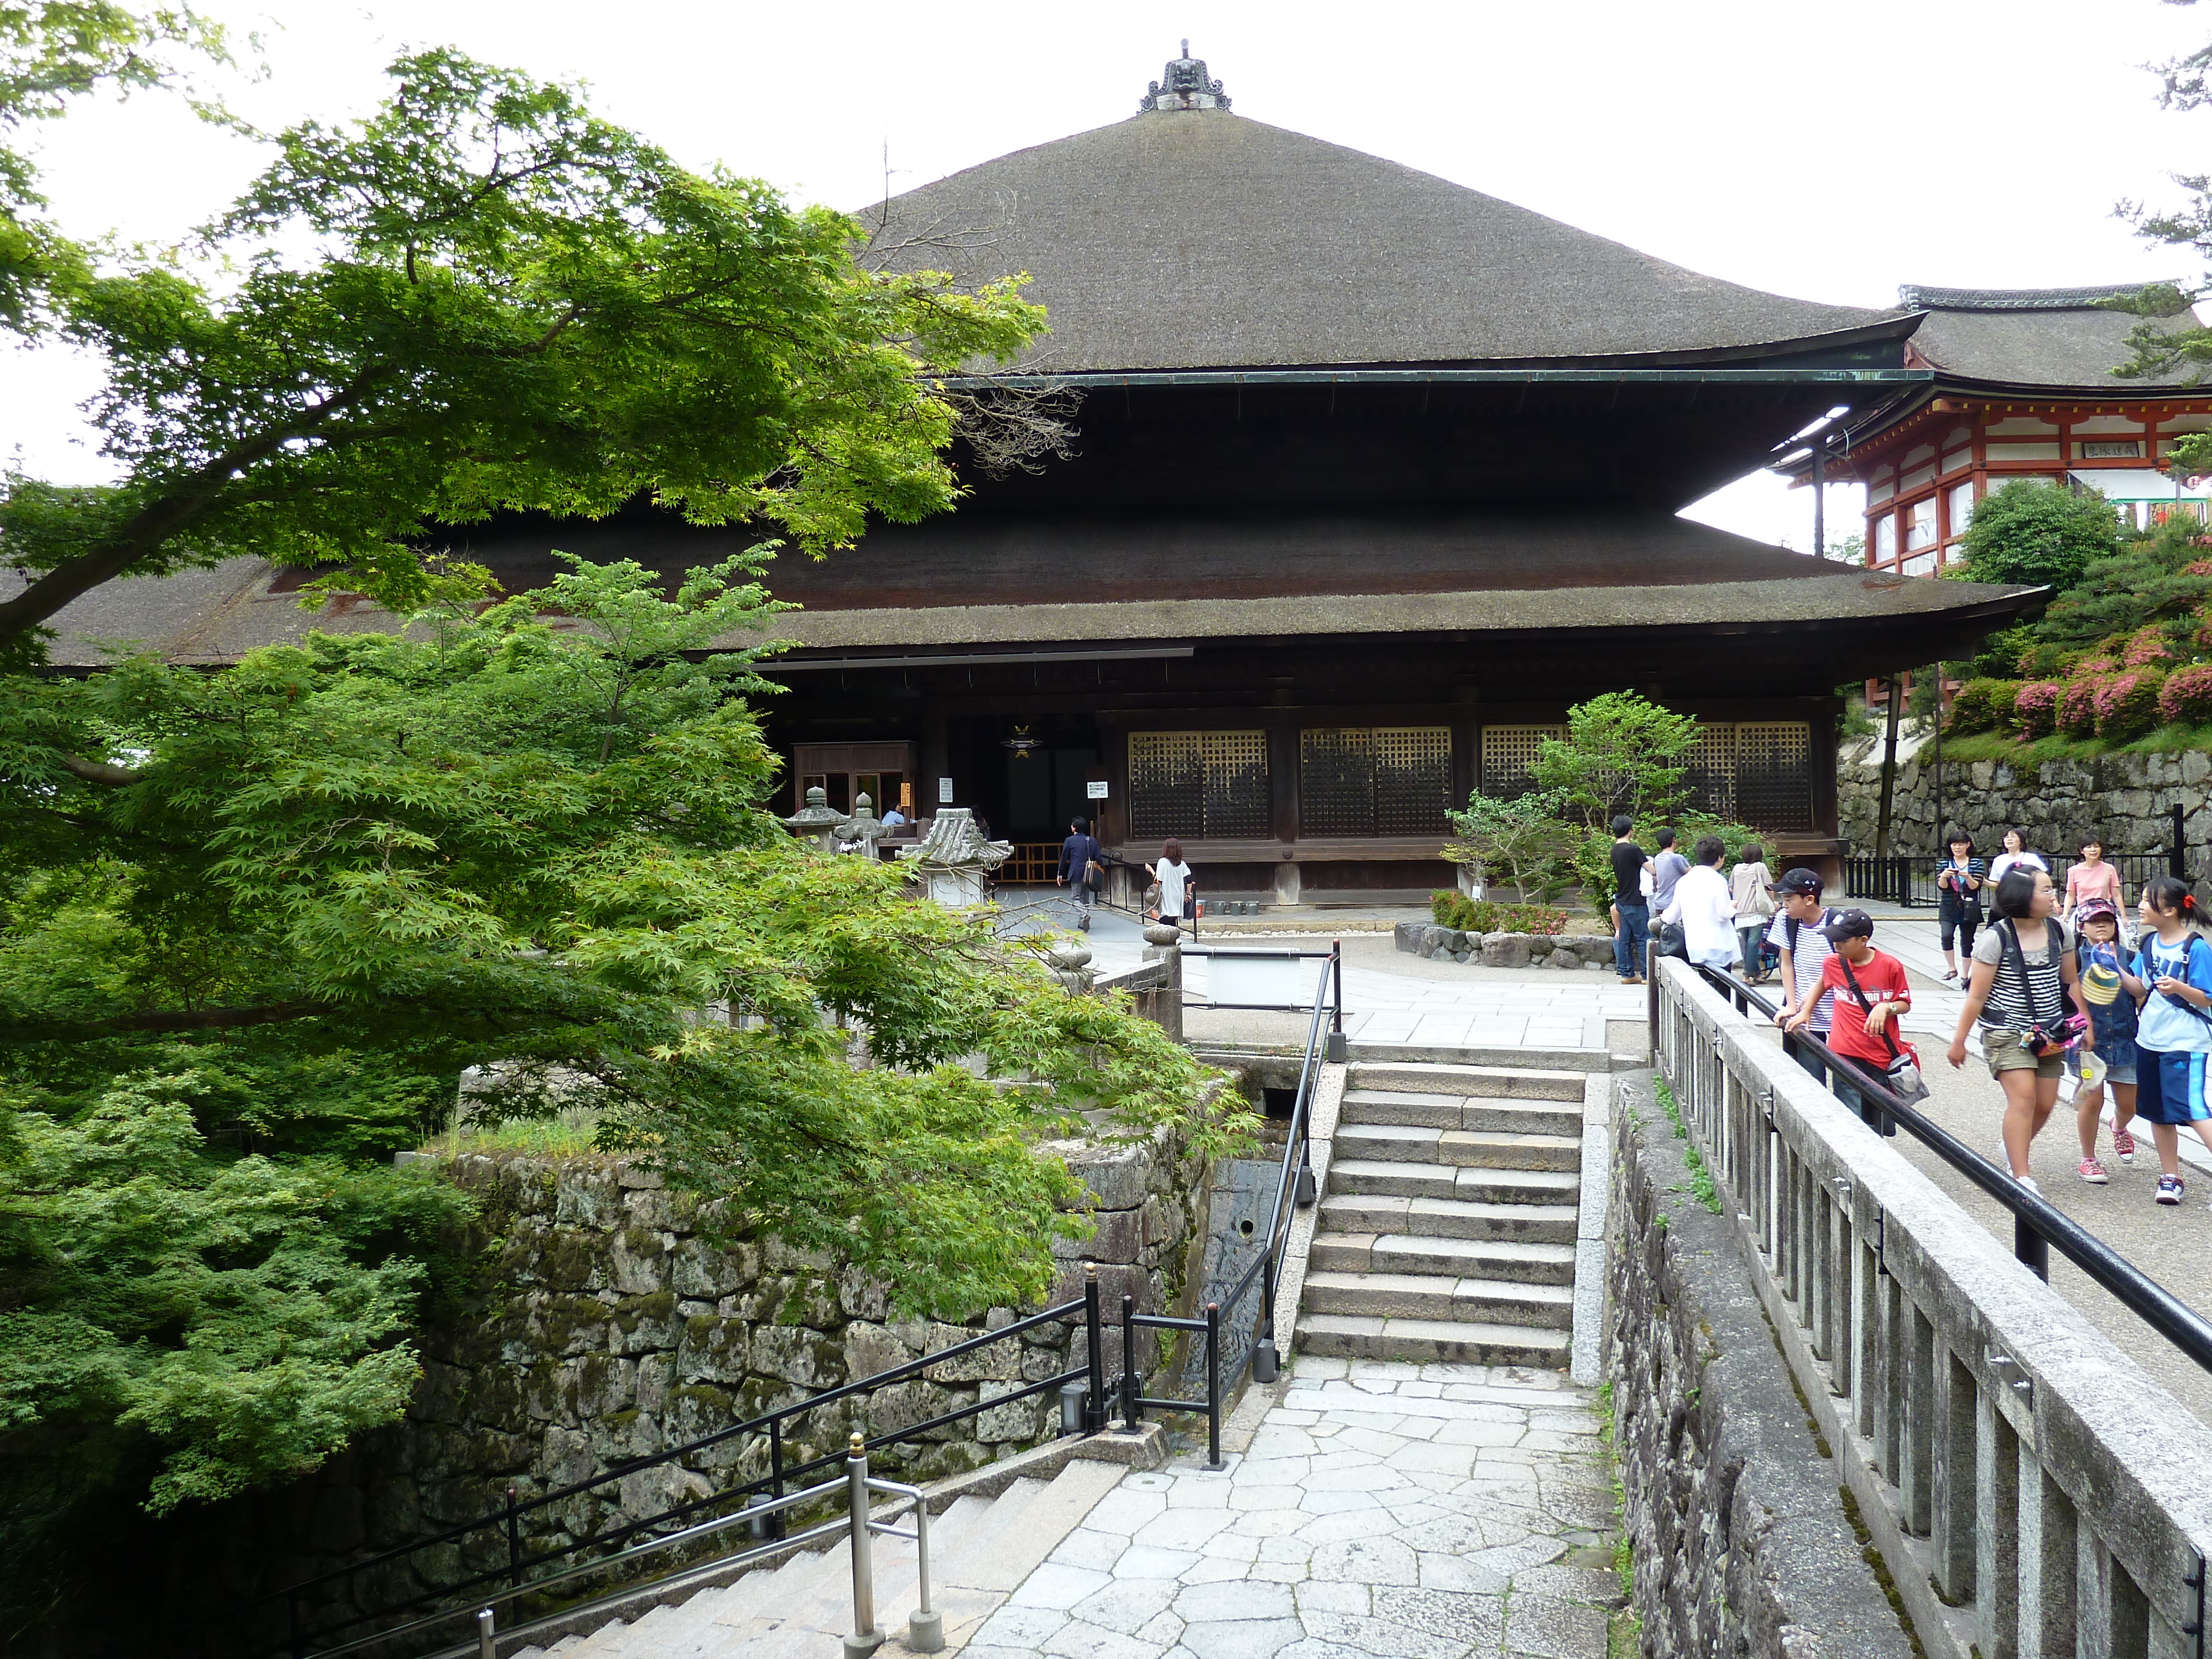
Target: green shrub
point(1468, 916)
point(2148, 648)
point(2186, 696)
point(1982, 705)
point(2127, 704)
point(2035, 708)
point(2029, 533)
point(2077, 706)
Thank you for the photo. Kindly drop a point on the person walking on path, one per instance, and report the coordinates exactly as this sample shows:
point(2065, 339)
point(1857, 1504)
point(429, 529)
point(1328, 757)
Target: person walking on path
point(1702, 906)
point(1751, 885)
point(2108, 1060)
point(2022, 979)
point(2172, 978)
point(1668, 867)
point(1082, 864)
point(1959, 899)
point(1632, 915)
point(2016, 852)
point(1178, 889)
point(1796, 933)
point(1871, 996)
point(2091, 878)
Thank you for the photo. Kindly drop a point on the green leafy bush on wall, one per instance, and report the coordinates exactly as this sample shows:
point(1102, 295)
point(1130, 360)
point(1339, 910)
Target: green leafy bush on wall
point(2035, 708)
point(2077, 706)
point(1470, 915)
point(2127, 704)
point(1983, 706)
point(2185, 699)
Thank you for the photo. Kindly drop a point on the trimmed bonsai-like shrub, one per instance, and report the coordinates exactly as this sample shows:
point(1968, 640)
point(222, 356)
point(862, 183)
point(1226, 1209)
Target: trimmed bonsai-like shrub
point(2077, 706)
point(2127, 704)
point(2186, 697)
point(2035, 708)
point(1982, 705)
point(2094, 662)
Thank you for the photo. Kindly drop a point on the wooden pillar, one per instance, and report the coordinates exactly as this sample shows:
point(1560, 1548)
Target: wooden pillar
point(1282, 779)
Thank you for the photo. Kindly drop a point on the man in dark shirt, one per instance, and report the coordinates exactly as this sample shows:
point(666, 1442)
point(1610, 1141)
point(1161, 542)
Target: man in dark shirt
point(1632, 915)
point(1081, 864)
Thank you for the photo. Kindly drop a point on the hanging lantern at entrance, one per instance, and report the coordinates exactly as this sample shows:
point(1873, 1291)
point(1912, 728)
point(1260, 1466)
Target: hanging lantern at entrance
point(1021, 743)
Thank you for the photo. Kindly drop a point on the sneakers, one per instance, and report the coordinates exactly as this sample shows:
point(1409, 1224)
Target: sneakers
point(2170, 1189)
point(2092, 1172)
point(2124, 1146)
point(2028, 1181)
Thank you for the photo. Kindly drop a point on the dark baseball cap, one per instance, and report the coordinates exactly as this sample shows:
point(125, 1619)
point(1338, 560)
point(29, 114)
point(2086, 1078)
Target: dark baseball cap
point(1801, 880)
point(1848, 924)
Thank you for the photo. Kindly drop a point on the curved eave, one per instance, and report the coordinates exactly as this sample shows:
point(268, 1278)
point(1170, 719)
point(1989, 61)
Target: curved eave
point(1518, 376)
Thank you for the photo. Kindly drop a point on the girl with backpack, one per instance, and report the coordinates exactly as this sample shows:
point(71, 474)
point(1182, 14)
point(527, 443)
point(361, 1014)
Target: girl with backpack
point(2172, 979)
point(2109, 1058)
point(2019, 991)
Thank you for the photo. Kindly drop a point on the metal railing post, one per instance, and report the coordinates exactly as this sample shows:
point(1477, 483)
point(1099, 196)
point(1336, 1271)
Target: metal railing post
point(1094, 1405)
point(1213, 1386)
point(1132, 1384)
point(1336, 1049)
point(2029, 1247)
point(487, 1639)
point(865, 1638)
point(513, 1541)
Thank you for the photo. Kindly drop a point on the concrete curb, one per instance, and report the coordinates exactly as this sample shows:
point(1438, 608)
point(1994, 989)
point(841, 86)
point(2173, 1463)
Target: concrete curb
point(1327, 1105)
point(1586, 1363)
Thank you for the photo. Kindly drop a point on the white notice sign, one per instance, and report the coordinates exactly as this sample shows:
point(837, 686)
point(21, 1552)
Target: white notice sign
point(945, 792)
point(1096, 789)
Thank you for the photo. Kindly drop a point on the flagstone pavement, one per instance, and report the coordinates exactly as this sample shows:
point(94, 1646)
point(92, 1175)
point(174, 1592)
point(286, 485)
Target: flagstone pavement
point(1381, 1510)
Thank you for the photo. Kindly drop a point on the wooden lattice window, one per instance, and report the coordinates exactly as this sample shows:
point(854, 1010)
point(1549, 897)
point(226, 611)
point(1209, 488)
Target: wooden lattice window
point(1709, 770)
point(1203, 785)
point(1383, 780)
point(1774, 775)
point(1509, 757)
point(1336, 783)
point(1413, 780)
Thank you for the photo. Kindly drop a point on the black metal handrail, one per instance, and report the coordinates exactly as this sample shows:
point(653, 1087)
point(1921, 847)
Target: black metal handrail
point(1909, 879)
point(2037, 1223)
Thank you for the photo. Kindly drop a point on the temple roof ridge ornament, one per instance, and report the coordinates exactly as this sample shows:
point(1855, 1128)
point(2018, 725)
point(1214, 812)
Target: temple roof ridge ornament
point(1187, 88)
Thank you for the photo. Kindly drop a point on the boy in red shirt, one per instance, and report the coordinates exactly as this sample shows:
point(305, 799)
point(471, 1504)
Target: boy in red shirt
point(1866, 1017)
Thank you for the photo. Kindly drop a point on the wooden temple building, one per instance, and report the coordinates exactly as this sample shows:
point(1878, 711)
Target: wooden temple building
point(1373, 475)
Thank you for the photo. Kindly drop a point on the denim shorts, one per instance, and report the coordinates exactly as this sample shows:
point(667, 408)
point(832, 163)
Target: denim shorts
point(2119, 1055)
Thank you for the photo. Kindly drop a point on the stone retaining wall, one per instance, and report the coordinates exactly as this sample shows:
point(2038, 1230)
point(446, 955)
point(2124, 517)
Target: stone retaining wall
point(1567, 951)
point(1737, 1528)
point(606, 1324)
point(2129, 800)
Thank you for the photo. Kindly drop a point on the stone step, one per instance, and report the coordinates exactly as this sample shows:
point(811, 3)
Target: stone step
point(1407, 1143)
point(1512, 1081)
point(1462, 1258)
point(1440, 1297)
point(1449, 1217)
point(1440, 1341)
point(1499, 1115)
point(1409, 1180)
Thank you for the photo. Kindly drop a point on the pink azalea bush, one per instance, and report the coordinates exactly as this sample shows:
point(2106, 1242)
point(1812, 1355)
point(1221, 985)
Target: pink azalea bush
point(2127, 704)
point(2185, 699)
point(2077, 706)
point(2146, 647)
point(2035, 708)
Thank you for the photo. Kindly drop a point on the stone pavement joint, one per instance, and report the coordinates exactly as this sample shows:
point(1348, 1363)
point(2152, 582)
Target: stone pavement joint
point(1380, 1510)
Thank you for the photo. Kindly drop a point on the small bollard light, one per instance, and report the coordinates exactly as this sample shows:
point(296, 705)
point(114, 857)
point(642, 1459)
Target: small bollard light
point(1266, 1367)
point(1073, 1396)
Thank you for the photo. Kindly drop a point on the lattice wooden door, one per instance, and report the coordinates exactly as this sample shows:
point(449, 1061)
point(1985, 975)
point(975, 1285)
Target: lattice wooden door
point(1774, 775)
point(1236, 784)
point(1509, 757)
point(1167, 785)
point(1336, 783)
point(1413, 780)
point(1709, 773)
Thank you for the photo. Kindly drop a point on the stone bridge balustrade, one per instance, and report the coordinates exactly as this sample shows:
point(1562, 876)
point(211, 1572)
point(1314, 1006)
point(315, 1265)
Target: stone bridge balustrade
point(2034, 1492)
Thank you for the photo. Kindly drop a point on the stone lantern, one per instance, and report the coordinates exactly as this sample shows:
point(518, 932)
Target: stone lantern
point(953, 860)
point(817, 821)
point(860, 832)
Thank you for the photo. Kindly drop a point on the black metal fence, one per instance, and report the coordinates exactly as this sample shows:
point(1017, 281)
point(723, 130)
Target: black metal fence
point(1911, 881)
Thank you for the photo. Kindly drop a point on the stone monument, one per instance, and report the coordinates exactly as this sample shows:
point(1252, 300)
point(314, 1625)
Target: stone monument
point(817, 821)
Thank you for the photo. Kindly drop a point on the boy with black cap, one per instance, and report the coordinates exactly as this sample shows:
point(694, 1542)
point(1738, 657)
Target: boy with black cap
point(1796, 933)
point(1870, 994)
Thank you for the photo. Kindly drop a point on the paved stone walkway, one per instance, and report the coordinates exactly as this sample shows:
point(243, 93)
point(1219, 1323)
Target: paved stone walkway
point(1381, 1510)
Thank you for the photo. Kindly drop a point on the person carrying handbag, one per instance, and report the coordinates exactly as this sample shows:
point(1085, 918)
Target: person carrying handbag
point(1751, 885)
point(1873, 995)
point(1083, 863)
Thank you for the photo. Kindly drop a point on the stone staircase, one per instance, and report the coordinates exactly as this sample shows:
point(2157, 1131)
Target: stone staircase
point(981, 1549)
point(1448, 1229)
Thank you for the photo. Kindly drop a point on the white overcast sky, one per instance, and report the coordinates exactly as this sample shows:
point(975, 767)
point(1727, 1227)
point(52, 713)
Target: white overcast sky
point(1830, 152)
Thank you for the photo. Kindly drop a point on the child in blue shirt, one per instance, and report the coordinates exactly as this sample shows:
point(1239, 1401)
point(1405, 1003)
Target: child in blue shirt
point(2098, 959)
point(2172, 982)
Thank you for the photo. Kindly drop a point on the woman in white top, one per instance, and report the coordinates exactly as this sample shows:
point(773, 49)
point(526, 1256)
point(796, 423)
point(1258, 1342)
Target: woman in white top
point(1702, 905)
point(1751, 885)
point(2016, 852)
point(1177, 890)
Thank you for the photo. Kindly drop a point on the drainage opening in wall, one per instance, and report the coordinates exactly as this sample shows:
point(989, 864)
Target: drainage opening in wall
point(1245, 1226)
point(1279, 1102)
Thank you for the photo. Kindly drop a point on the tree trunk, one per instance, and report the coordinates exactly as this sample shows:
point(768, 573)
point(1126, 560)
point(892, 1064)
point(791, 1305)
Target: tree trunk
point(1888, 768)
